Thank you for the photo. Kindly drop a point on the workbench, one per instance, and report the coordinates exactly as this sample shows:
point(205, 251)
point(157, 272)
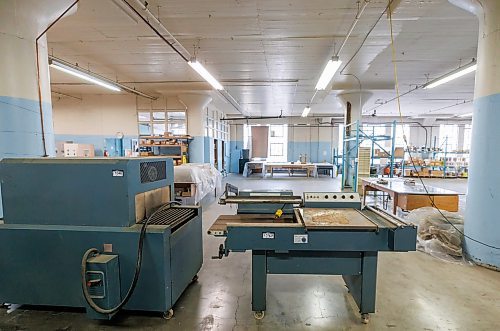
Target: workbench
point(291, 167)
point(409, 197)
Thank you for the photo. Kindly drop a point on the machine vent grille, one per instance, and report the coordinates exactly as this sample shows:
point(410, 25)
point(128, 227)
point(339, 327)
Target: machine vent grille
point(153, 171)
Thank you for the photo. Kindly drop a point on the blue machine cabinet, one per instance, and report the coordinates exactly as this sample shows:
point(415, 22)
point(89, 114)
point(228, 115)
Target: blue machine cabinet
point(56, 209)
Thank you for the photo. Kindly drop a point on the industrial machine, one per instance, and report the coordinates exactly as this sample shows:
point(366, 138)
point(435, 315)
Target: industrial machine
point(101, 234)
point(329, 233)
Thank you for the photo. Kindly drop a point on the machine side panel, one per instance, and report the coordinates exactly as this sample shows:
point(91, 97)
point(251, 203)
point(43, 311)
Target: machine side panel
point(241, 238)
point(41, 264)
point(316, 263)
point(64, 193)
point(186, 254)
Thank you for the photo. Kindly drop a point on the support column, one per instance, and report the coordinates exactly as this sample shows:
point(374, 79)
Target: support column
point(235, 147)
point(199, 147)
point(354, 102)
point(21, 118)
point(483, 192)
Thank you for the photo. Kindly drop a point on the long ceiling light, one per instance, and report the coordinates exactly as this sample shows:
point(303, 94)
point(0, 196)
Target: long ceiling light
point(459, 72)
point(330, 69)
point(200, 69)
point(306, 111)
point(82, 75)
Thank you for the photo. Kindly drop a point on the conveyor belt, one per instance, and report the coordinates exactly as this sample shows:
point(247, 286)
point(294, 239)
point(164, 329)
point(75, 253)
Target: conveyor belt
point(173, 217)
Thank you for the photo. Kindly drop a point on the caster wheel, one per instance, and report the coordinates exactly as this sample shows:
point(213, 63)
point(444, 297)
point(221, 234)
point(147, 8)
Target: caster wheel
point(365, 318)
point(258, 315)
point(169, 314)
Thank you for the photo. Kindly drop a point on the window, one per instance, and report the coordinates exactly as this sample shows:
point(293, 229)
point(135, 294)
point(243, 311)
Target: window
point(448, 137)
point(276, 149)
point(158, 123)
point(374, 130)
point(276, 130)
point(467, 137)
point(400, 131)
point(278, 143)
point(214, 127)
point(341, 139)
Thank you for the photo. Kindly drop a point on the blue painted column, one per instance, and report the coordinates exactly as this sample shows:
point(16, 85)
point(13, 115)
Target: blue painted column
point(20, 114)
point(199, 148)
point(482, 220)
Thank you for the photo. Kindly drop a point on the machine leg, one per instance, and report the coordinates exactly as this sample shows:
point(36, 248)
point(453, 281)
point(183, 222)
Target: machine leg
point(259, 280)
point(369, 284)
point(363, 288)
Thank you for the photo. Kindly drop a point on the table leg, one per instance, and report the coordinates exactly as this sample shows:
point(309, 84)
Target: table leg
point(395, 202)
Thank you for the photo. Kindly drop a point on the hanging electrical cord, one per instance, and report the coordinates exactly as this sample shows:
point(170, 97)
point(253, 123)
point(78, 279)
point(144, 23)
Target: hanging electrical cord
point(393, 52)
point(138, 266)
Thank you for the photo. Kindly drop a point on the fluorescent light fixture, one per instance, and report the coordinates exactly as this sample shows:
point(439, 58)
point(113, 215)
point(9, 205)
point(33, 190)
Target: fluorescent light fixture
point(200, 69)
point(330, 69)
point(459, 72)
point(465, 115)
point(306, 111)
point(83, 75)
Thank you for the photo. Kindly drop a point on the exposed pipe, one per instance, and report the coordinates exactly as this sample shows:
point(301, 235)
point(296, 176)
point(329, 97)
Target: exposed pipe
point(184, 57)
point(40, 102)
point(353, 25)
point(351, 29)
point(175, 44)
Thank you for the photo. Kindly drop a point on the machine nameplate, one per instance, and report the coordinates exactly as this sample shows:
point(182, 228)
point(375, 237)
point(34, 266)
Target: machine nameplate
point(267, 235)
point(300, 238)
point(118, 173)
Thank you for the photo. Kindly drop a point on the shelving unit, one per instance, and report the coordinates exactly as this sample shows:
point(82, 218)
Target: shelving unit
point(350, 158)
point(437, 163)
point(172, 146)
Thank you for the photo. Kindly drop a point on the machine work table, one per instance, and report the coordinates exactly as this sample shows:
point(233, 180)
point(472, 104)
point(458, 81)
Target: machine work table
point(328, 233)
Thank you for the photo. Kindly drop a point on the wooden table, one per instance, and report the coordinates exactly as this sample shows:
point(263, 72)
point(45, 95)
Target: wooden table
point(409, 197)
point(308, 167)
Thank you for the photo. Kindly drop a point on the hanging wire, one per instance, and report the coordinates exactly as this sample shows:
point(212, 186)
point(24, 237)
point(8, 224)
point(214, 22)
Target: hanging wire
point(393, 52)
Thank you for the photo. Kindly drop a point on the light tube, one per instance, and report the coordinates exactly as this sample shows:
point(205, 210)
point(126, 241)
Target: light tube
point(330, 69)
point(198, 67)
point(471, 67)
point(306, 111)
point(83, 75)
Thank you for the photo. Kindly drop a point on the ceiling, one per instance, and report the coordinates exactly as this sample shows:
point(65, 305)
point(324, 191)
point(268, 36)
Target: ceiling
point(269, 54)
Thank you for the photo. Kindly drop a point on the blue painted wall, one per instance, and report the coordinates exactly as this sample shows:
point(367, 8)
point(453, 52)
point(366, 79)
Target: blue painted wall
point(235, 147)
point(483, 192)
point(317, 151)
point(20, 130)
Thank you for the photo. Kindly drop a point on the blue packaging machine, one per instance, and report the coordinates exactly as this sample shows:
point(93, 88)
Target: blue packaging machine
point(330, 233)
point(101, 234)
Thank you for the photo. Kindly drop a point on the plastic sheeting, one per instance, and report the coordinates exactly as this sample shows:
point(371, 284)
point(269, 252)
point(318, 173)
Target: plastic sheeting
point(436, 236)
point(204, 175)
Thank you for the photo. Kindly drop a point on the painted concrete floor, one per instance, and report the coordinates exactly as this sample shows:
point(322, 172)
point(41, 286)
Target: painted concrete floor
point(415, 291)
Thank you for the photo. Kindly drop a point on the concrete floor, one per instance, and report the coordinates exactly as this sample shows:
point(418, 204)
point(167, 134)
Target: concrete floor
point(415, 291)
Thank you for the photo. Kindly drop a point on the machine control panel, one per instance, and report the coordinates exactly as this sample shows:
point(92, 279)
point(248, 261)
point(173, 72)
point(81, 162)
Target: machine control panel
point(332, 200)
point(331, 197)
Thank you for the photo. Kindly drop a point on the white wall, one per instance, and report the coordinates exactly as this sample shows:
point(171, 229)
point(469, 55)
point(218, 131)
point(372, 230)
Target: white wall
point(97, 115)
